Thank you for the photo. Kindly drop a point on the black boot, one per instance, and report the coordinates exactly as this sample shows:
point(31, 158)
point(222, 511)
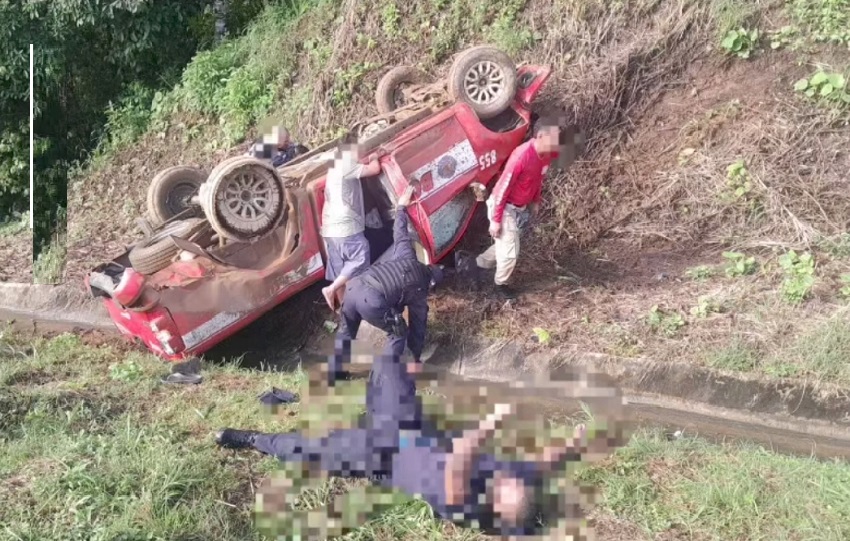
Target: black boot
point(505, 293)
point(186, 372)
point(230, 438)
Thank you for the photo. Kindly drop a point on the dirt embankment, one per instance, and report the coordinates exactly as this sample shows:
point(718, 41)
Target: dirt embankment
point(16, 257)
point(642, 219)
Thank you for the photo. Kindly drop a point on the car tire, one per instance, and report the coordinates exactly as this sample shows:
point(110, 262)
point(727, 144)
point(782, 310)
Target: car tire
point(154, 253)
point(389, 87)
point(170, 191)
point(243, 199)
point(484, 78)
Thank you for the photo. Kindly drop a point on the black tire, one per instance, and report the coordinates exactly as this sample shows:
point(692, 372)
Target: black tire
point(170, 191)
point(387, 96)
point(155, 253)
point(496, 86)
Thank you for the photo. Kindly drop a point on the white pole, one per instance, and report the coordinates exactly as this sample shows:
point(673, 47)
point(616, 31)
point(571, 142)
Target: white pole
point(32, 148)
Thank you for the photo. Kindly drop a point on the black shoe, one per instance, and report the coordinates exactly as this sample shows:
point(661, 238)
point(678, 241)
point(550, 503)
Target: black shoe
point(230, 438)
point(183, 379)
point(189, 367)
point(505, 293)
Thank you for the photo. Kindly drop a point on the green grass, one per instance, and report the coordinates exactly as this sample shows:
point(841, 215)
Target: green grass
point(93, 447)
point(722, 492)
point(47, 268)
point(823, 352)
point(737, 356)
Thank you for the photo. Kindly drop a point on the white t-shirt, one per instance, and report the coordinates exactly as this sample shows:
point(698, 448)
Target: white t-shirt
point(343, 213)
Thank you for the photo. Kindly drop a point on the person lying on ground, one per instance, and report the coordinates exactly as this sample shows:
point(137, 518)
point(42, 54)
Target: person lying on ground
point(401, 451)
point(344, 221)
point(381, 293)
point(279, 149)
point(515, 200)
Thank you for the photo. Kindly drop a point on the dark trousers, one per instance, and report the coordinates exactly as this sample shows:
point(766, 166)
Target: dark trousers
point(391, 405)
point(362, 303)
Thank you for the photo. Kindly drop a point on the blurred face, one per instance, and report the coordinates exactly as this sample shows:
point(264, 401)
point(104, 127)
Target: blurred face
point(509, 498)
point(281, 136)
point(547, 139)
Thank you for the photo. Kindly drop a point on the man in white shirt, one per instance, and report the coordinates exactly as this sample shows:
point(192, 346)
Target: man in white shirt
point(344, 221)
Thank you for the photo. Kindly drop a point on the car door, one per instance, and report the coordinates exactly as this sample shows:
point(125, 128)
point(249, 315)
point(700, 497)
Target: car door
point(440, 158)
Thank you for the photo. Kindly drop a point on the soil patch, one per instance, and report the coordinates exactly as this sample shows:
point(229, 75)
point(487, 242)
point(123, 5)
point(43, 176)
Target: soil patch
point(16, 257)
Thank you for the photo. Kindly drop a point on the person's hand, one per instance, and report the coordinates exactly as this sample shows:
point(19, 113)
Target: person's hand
point(405, 198)
point(501, 410)
point(534, 209)
point(414, 367)
point(495, 229)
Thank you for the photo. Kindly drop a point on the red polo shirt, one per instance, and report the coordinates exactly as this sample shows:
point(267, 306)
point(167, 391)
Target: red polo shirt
point(522, 179)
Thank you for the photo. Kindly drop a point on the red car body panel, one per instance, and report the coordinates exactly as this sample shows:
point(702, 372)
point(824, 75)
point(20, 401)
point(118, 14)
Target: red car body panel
point(192, 305)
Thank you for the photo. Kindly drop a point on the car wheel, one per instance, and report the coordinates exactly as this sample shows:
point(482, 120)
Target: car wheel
point(485, 78)
point(171, 192)
point(154, 253)
point(243, 199)
point(389, 95)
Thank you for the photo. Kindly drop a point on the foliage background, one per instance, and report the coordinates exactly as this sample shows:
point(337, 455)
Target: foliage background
point(92, 57)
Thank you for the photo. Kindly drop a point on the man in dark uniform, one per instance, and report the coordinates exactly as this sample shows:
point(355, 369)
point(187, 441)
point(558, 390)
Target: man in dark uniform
point(400, 450)
point(279, 149)
point(381, 293)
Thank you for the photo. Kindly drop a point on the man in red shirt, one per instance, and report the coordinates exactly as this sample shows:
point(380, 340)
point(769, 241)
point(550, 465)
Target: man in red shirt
point(515, 199)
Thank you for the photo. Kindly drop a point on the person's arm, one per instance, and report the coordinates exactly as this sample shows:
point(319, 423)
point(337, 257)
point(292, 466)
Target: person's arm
point(371, 169)
point(553, 457)
point(417, 312)
point(458, 467)
point(402, 244)
point(503, 188)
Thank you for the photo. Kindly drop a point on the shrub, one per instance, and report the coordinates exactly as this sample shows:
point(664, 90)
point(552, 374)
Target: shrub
point(668, 323)
point(830, 88)
point(739, 264)
point(741, 42)
point(799, 276)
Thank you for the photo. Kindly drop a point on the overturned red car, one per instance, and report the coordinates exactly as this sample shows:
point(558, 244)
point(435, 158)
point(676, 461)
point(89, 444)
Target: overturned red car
point(223, 249)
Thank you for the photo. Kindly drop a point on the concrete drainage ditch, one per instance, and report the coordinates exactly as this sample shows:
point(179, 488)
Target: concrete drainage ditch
point(789, 416)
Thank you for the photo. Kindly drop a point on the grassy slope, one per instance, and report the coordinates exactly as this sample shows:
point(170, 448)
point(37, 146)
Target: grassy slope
point(652, 203)
point(93, 447)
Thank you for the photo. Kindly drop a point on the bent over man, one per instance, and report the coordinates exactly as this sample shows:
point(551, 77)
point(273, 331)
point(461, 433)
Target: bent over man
point(400, 450)
point(380, 295)
point(515, 200)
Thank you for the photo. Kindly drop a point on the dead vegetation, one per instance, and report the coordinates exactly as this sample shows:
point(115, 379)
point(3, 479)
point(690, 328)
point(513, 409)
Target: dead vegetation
point(16, 257)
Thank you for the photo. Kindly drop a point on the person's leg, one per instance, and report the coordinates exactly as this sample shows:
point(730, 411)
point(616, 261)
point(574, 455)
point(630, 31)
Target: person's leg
point(395, 345)
point(333, 270)
point(348, 328)
point(391, 401)
point(342, 453)
point(355, 257)
point(506, 249)
point(487, 258)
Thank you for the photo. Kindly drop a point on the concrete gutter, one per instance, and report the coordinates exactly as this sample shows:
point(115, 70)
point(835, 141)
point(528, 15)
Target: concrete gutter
point(52, 304)
point(793, 416)
point(790, 415)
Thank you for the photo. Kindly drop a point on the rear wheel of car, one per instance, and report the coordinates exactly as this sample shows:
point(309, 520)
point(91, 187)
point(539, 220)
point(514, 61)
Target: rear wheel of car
point(390, 93)
point(485, 78)
point(171, 192)
point(156, 252)
point(243, 199)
